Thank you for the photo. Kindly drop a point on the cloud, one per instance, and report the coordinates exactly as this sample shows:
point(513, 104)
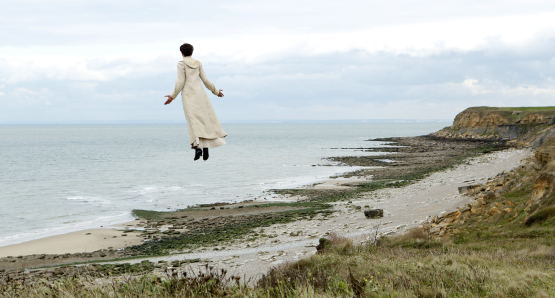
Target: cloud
point(498, 88)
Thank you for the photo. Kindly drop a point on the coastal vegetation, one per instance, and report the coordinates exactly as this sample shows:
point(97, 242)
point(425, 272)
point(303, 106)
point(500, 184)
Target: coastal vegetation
point(230, 229)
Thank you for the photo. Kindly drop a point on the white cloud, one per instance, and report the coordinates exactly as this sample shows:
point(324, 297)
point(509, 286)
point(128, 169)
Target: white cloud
point(79, 68)
point(47, 103)
point(498, 88)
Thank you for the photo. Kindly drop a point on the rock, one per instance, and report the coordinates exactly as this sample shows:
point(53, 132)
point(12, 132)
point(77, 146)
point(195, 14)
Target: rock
point(435, 230)
point(494, 210)
point(453, 215)
point(464, 209)
point(373, 213)
point(489, 196)
point(476, 210)
point(467, 188)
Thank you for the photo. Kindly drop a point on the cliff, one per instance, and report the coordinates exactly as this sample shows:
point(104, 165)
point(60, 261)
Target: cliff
point(528, 125)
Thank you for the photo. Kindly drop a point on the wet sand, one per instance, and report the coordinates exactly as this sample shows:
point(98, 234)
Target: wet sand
point(74, 242)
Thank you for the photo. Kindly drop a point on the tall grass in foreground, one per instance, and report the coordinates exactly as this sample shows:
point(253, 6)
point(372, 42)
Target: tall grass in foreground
point(412, 265)
point(416, 266)
point(210, 283)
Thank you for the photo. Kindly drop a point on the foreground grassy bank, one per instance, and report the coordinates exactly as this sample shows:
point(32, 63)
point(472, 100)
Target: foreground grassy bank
point(488, 264)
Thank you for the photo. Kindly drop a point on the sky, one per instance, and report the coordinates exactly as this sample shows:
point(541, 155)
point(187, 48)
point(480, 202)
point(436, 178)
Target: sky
point(66, 61)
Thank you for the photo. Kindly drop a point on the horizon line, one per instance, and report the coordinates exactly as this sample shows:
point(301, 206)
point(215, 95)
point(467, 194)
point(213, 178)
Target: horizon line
point(223, 122)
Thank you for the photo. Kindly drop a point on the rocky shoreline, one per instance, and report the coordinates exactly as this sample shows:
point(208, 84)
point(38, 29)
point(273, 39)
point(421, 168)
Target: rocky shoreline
point(412, 155)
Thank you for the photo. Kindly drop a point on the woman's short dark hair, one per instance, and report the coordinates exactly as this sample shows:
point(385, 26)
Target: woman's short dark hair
point(186, 49)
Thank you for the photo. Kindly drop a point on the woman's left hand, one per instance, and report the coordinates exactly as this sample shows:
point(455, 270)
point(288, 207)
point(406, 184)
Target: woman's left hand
point(221, 94)
point(169, 100)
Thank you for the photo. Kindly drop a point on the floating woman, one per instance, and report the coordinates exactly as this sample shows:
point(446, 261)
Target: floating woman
point(205, 131)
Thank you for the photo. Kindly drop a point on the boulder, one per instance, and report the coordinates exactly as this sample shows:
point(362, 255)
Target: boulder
point(494, 210)
point(373, 213)
point(476, 210)
point(467, 188)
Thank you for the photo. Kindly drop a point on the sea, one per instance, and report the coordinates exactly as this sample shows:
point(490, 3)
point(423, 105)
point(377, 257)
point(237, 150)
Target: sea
point(56, 179)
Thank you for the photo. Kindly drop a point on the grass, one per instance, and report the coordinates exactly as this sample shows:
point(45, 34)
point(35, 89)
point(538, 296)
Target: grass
point(147, 214)
point(507, 112)
point(204, 283)
point(412, 265)
point(397, 268)
point(541, 215)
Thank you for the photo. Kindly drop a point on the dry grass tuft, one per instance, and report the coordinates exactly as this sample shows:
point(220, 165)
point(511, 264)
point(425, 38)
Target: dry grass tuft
point(336, 240)
point(417, 233)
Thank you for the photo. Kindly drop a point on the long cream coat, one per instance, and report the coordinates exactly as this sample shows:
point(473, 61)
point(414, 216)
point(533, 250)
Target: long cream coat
point(199, 113)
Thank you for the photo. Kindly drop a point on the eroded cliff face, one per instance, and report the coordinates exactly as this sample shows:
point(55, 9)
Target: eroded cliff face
point(486, 123)
point(534, 119)
point(474, 120)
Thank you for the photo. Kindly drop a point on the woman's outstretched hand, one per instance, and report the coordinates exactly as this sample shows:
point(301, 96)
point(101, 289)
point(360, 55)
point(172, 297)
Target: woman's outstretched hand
point(221, 94)
point(170, 99)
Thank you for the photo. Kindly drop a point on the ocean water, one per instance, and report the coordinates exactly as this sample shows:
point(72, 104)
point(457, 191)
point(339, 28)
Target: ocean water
point(60, 178)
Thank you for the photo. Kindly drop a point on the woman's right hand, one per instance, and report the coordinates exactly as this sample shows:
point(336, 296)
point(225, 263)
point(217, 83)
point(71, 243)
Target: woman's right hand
point(221, 94)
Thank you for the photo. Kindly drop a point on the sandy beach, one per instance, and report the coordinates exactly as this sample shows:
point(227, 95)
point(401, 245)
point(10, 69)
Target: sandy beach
point(74, 242)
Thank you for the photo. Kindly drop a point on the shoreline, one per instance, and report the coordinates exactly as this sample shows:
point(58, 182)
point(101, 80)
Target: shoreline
point(112, 229)
point(110, 237)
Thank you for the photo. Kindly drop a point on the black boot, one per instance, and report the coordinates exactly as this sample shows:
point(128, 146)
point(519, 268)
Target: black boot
point(198, 153)
point(205, 153)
